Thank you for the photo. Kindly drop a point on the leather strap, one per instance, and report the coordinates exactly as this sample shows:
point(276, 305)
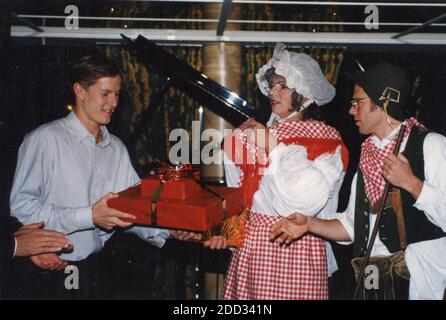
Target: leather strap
point(153, 201)
point(397, 205)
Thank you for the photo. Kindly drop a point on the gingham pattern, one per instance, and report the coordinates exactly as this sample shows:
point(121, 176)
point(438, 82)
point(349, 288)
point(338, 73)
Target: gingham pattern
point(371, 163)
point(291, 129)
point(308, 129)
point(287, 132)
point(264, 270)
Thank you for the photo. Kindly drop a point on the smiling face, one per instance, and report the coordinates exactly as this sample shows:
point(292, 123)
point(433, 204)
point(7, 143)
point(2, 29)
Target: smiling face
point(96, 103)
point(280, 96)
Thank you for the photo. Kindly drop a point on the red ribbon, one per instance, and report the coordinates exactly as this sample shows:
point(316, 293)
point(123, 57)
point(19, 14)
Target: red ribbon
point(171, 173)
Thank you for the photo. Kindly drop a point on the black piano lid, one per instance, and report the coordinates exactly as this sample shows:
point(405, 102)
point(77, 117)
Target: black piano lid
point(206, 91)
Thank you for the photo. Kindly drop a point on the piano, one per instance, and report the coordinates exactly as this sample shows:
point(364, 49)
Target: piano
point(175, 72)
point(180, 208)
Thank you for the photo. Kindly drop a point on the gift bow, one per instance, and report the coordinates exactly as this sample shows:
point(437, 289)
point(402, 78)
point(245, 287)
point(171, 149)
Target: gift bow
point(171, 173)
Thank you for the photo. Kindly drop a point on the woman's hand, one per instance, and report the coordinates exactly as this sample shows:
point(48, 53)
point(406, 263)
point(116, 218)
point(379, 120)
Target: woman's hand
point(258, 135)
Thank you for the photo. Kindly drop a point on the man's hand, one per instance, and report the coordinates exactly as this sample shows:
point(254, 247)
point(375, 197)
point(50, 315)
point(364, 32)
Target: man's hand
point(49, 261)
point(32, 239)
point(185, 235)
point(290, 228)
point(108, 218)
point(216, 242)
point(258, 134)
point(397, 171)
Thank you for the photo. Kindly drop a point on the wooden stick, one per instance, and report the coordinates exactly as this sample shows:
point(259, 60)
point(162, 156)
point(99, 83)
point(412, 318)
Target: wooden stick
point(377, 222)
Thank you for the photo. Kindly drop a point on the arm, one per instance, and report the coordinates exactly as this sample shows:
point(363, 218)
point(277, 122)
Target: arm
point(32, 185)
point(297, 225)
point(432, 198)
point(397, 171)
point(340, 229)
point(33, 240)
point(430, 194)
point(30, 188)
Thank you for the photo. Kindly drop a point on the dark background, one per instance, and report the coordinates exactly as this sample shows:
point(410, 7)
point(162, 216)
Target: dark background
point(33, 91)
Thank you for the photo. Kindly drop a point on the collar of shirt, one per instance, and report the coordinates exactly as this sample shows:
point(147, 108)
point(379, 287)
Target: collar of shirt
point(81, 133)
point(275, 118)
point(384, 142)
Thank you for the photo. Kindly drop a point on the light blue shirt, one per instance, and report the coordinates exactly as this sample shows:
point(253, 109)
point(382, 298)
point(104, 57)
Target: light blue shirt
point(61, 172)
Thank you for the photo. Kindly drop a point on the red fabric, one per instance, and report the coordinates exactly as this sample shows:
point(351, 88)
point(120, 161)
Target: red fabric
point(315, 147)
point(317, 137)
point(261, 269)
point(371, 163)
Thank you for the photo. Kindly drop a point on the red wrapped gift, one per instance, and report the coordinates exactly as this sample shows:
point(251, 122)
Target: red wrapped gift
point(180, 203)
point(176, 189)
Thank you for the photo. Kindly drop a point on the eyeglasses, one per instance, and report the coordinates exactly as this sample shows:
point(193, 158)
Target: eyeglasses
point(355, 102)
point(277, 85)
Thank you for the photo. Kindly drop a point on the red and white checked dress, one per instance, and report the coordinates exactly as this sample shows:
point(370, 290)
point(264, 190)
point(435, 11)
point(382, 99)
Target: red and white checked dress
point(264, 270)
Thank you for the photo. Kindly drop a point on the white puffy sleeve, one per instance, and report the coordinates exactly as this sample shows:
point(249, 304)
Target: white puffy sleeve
point(302, 185)
point(432, 199)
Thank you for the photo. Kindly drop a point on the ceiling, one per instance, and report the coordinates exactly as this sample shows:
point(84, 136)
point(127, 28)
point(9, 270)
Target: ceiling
point(245, 21)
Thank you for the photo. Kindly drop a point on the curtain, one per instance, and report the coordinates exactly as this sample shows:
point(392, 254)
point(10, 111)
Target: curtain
point(177, 110)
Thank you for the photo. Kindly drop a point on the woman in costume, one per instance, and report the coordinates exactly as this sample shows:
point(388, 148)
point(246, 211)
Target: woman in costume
point(295, 163)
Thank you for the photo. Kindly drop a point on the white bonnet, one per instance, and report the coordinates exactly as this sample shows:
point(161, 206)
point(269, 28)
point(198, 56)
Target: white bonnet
point(302, 73)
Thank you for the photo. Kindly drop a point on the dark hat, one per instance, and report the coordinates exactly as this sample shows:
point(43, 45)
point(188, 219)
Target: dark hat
point(385, 81)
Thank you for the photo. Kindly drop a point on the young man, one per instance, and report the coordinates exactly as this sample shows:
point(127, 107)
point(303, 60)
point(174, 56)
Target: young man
point(68, 169)
point(299, 163)
point(418, 173)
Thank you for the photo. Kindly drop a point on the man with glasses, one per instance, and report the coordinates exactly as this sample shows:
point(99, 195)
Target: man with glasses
point(298, 164)
point(412, 230)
